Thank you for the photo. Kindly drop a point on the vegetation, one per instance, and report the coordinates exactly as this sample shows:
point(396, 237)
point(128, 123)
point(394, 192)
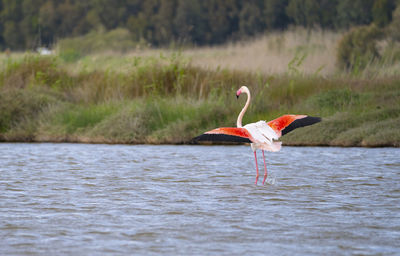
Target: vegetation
point(167, 99)
point(359, 47)
point(132, 71)
point(276, 52)
point(27, 24)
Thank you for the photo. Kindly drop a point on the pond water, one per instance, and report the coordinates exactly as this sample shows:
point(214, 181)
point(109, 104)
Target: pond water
point(80, 199)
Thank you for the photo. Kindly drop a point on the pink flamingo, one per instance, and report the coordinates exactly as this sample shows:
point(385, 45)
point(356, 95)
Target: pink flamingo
point(261, 135)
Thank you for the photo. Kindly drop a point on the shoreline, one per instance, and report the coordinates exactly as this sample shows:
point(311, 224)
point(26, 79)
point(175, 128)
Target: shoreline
point(185, 143)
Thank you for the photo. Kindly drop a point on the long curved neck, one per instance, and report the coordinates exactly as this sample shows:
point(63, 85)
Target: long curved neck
point(241, 114)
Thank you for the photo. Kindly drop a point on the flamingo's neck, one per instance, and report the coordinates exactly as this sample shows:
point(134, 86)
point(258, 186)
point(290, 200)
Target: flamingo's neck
point(241, 114)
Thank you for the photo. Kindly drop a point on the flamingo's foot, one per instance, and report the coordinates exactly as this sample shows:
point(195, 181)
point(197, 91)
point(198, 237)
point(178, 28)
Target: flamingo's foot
point(256, 179)
point(265, 177)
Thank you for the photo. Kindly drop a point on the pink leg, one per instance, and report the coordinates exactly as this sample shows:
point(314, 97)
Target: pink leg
point(255, 157)
point(265, 169)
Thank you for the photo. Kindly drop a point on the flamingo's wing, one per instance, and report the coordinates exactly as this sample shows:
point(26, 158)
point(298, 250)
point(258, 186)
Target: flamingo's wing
point(228, 134)
point(287, 123)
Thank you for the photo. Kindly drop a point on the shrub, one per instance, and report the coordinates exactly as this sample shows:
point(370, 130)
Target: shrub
point(70, 55)
point(21, 105)
point(358, 47)
point(382, 12)
point(71, 49)
point(35, 70)
point(394, 27)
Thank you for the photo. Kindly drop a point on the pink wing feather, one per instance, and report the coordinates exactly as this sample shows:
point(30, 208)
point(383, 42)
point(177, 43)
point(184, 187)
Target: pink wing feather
point(288, 123)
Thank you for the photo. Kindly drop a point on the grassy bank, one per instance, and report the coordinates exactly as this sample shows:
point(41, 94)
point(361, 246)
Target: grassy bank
point(170, 100)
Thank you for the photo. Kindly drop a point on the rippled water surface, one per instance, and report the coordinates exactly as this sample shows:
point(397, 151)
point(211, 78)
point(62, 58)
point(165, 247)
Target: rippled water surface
point(77, 199)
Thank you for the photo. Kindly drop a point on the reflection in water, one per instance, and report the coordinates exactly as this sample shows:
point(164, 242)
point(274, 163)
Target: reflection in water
point(118, 199)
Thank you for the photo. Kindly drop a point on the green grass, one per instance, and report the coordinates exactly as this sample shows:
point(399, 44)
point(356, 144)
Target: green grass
point(168, 100)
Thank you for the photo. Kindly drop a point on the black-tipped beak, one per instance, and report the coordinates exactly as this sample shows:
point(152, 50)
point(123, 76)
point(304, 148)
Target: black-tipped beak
point(237, 96)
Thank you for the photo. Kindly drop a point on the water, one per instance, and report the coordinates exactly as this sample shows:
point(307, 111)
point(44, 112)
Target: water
point(77, 199)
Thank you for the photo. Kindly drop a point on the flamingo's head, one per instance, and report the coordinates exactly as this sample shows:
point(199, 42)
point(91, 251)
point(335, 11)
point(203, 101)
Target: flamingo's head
point(241, 90)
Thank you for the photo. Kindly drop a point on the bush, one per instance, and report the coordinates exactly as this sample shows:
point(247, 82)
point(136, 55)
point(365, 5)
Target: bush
point(394, 27)
point(358, 47)
point(382, 12)
point(120, 40)
point(19, 105)
point(70, 55)
point(32, 70)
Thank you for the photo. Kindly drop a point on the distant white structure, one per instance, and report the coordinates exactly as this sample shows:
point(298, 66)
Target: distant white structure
point(44, 51)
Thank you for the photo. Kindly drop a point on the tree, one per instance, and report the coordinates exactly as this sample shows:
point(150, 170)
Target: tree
point(1, 29)
point(163, 22)
point(356, 12)
point(112, 13)
point(29, 25)
point(12, 37)
point(275, 15)
point(221, 18)
point(394, 27)
point(382, 12)
point(47, 23)
point(327, 13)
point(137, 25)
point(11, 15)
point(250, 18)
point(189, 21)
point(304, 12)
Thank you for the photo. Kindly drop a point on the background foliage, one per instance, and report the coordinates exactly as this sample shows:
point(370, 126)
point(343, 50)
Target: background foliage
point(116, 75)
point(27, 24)
point(167, 100)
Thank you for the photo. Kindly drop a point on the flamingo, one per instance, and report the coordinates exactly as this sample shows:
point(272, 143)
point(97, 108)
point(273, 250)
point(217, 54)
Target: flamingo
point(261, 135)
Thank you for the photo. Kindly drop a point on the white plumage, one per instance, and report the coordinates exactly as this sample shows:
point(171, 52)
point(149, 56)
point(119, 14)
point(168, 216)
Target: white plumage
point(263, 136)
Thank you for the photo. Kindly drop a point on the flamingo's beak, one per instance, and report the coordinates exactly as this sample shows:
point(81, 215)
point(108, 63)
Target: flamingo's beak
point(238, 93)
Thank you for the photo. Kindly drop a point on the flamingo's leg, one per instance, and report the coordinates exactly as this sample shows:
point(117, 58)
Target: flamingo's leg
point(255, 157)
point(265, 168)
